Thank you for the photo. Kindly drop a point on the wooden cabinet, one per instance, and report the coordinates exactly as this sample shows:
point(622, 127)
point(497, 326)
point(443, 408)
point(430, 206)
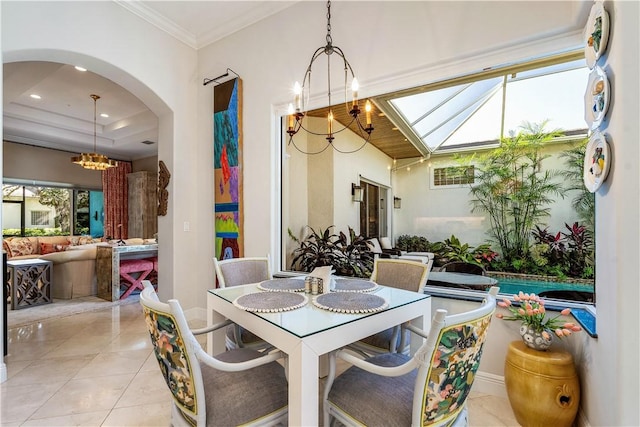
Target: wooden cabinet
point(143, 204)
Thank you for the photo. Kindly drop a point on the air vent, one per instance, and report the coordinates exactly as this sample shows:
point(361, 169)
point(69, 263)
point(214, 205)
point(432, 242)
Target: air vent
point(147, 142)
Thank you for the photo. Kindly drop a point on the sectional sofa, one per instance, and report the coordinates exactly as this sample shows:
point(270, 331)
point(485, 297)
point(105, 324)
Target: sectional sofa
point(73, 258)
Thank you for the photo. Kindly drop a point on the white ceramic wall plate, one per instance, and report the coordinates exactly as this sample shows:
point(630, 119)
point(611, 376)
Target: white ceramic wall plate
point(597, 161)
point(596, 34)
point(596, 98)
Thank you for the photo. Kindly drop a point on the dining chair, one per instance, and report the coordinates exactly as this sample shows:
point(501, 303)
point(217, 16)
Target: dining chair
point(236, 272)
point(430, 388)
point(397, 273)
point(463, 267)
point(236, 387)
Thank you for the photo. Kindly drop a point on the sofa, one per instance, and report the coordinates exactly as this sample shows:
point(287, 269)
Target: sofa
point(73, 258)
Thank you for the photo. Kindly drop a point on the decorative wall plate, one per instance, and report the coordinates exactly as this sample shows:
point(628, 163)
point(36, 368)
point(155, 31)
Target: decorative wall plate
point(597, 161)
point(596, 98)
point(596, 34)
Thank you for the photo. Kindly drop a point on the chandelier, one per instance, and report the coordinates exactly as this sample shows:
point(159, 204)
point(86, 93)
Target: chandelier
point(297, 110)
point(94, 161)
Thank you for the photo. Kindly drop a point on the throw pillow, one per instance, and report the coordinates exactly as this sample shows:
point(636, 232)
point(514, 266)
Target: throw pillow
point(375, 246)
point(49, 248)
point(385, 242)
point(82, 240)
point(20, 246)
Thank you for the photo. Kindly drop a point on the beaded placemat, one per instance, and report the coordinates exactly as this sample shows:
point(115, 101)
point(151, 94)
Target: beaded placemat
point(282, 285)
point(350, 302)
point(270, 302)
point(354, 285)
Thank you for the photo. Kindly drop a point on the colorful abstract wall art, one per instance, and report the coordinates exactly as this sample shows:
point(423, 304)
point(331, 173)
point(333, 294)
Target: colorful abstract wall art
point(227, 153)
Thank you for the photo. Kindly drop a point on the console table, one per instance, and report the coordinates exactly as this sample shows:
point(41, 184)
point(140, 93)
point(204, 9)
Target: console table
point(108, 266)
point(30, 282)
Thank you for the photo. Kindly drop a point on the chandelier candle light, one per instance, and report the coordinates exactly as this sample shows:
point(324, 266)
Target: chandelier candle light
point(297, 110)
point(94, 161)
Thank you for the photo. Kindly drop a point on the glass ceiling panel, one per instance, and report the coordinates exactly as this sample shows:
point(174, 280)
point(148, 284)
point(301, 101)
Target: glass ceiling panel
point(472, 112)
point(484, 125)
point(558, 97)
point(412, 107)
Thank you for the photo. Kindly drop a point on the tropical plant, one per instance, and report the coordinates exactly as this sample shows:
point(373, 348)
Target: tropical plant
point(457, 251)
point(412, 243)
point(580, 244)
point(584, 202)
point(512, 190)
point(348, 256)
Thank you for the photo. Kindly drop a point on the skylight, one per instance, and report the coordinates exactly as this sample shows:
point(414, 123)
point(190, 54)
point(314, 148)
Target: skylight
point(476, 113)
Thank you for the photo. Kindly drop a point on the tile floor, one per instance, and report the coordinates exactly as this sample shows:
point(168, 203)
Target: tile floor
point(97, 369)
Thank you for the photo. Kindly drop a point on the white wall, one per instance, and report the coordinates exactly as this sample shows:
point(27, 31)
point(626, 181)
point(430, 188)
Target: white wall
point(439, 212)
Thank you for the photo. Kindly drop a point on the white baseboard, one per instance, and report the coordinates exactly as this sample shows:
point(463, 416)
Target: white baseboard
point(3, 372)
point(490, 384)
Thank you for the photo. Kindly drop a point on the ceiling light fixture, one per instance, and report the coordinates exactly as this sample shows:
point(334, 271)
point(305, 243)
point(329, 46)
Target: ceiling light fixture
point(35, 96)
point(94, 161)
point(297, 110)
point(79, 68)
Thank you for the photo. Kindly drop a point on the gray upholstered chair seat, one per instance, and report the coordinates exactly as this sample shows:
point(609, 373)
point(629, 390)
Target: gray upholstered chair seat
point(236, 408)
point(429, 388)
point(382, 339)
point(237, 272)
point(247, 338)
point(237, 387)
point(374, 400)
point(401, 274)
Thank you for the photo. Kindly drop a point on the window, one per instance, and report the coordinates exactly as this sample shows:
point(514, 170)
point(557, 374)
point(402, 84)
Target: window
point(453, 175)
point(47, 210)
point(39, 217)
point(472, 115)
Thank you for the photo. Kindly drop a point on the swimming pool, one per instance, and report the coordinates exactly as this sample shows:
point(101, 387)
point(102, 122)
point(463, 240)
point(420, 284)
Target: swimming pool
point(514, 286)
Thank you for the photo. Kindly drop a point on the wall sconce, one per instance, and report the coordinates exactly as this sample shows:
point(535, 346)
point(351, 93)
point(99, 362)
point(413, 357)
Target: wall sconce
point(397, 202)
point(356, 193)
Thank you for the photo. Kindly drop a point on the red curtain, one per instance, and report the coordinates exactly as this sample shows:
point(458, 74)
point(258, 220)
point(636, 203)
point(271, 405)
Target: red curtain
point(116, 201)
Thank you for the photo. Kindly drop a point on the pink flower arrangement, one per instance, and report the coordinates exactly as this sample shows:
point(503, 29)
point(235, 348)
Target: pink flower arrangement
point(531, 312)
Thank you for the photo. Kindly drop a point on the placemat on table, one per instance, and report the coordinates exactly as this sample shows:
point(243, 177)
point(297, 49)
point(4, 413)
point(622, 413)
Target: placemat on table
point(355, 285)
point(351, 302)
point(283, 284)
point(270, 302)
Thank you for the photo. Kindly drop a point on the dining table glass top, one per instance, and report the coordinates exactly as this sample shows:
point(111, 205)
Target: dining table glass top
point(310, 319)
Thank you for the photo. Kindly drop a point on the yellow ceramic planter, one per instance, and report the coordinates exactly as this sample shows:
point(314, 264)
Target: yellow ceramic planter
point(542, 386)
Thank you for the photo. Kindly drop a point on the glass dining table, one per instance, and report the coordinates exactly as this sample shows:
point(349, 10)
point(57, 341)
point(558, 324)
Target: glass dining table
point(310, 331)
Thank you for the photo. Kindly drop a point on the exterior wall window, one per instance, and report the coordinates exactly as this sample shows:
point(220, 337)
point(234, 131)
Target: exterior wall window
point(453, 175)
point(40, 218)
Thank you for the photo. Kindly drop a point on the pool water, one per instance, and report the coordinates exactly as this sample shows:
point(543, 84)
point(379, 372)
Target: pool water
point(514, 286)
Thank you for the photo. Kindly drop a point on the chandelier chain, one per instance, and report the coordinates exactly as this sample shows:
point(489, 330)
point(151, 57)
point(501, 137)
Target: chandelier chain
point(329, 40)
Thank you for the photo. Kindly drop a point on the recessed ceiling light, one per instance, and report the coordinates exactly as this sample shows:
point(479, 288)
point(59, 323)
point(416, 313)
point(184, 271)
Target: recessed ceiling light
point(79, 68)
point(381, 114)
point(394, 128)
point(105, 115)
point(35, 96)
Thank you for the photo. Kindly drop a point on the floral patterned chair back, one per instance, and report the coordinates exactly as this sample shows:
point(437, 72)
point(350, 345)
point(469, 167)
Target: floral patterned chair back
point(173, 350)
point(448, 368)
point(429, 388)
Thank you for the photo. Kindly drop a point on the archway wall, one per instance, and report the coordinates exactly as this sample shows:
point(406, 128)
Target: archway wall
point(112, 42)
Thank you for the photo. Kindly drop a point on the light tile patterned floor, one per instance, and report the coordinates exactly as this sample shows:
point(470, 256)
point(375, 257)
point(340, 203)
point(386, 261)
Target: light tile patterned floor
point(97, 369)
